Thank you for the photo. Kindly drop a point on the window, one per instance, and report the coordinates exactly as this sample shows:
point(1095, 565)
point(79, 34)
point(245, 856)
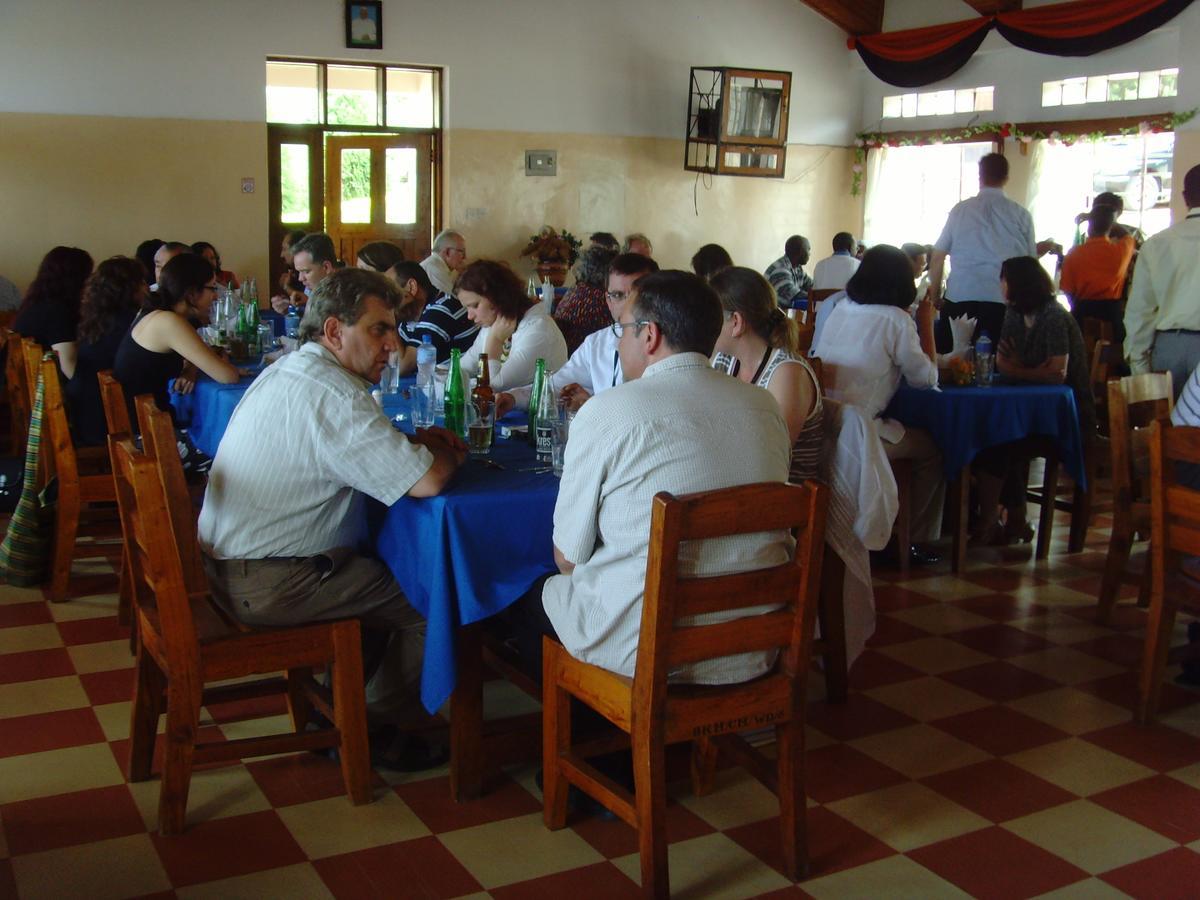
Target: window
point(1111, 88)
point(359, 96)
point(939, 103)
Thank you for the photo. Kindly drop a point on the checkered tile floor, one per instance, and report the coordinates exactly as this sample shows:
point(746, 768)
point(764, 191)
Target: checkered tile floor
point(986, 750)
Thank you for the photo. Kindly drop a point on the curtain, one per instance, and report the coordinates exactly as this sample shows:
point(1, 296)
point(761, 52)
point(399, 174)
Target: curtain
point(922, 56)
point(875, 205)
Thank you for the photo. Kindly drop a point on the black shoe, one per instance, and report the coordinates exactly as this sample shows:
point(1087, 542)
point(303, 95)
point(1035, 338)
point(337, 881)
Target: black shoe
point(400, 752)
point(889, 556)
point(919, 557)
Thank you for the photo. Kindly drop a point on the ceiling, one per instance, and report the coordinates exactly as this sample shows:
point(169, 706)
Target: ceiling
point(866, 16)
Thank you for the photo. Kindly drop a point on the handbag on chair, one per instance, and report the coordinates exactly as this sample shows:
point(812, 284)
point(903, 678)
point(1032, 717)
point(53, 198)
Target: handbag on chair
point(25, 551)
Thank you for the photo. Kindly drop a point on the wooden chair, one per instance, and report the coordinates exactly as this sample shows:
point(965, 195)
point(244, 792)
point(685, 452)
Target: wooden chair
point(805, 334)
point(1106, 364)
point(18, 393)
point(655, 714)
point(1094, 331)
point(1174, 533)
point(112, 398)
point(1134, 403)
point(186, 643)
point(902, 471)
point(815, 298)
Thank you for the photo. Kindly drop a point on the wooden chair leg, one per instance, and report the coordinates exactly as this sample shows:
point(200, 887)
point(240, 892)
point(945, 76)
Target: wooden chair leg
point(1081, 514)
point(1046, 516)
point(299, 705)
point(831, 612)
point(650, 801)
point(350, 711)
point(1159, 625)
point(793, 812)
point(1119, 546)
point(903, 530)
point(147, 706)
point(66, 527)
point(704, 765)
point(556, 739)
point(1145, 585)
point(179, 748)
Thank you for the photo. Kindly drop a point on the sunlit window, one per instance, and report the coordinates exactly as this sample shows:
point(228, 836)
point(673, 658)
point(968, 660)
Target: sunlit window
point(939, 103)
point(1111, 88)
point(352, 95)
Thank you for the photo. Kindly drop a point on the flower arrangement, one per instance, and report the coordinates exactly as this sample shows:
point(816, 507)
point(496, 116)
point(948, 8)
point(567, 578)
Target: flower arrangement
point(552, 246)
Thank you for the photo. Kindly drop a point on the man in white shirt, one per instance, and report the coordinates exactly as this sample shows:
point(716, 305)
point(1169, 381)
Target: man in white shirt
point(364, 30)
point(832, 273)
point(284, 512)
point(676, 425)
point(594, 366)
point(448, 257)
point(1162, 318)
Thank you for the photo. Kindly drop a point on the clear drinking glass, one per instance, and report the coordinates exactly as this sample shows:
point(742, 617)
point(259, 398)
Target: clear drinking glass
point(558, 443)
point(481, 420)
point(423, 401)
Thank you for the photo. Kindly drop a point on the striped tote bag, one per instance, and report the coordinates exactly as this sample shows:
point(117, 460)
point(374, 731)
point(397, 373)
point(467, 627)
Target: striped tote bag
point(25, 551)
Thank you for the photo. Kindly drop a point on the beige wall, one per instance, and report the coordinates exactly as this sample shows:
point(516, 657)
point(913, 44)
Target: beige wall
point(105, 183)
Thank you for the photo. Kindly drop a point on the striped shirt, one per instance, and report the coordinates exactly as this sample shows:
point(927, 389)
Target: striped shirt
point(788, 281)
point(305, 444)
point(445, 321)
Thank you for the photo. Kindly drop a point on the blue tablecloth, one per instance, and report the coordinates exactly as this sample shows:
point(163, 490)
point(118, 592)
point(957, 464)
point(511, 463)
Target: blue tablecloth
point(206, 411)
point(964, 420)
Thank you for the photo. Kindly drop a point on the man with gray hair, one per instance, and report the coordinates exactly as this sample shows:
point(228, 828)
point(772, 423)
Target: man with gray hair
point(449, 255)
point(284, 513)
point(637, 243)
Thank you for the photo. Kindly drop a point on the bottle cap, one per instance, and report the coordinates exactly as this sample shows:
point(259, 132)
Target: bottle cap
point(426, 339)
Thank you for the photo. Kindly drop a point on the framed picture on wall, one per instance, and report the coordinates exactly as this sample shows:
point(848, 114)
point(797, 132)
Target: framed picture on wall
point(364, 24)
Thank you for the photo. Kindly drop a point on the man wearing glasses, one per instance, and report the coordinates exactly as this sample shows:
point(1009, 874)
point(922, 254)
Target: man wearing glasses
point(594, 366)
point(448, 257)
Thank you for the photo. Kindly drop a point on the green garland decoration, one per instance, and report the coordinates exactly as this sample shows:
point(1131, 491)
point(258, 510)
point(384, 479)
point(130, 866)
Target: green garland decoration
point(870, 140)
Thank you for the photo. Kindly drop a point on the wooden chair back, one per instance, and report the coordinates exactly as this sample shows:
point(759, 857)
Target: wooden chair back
point(17, 388)
point(32, 353)
point(112, 398)
point(815, 299)
point(1106, 359)
point(1134, 403)
point(805, 337)
point(1174, 507)
point(1094, 331)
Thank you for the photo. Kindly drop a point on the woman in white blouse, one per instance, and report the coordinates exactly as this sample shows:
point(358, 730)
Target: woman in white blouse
point(869, 341)
point(514, 330)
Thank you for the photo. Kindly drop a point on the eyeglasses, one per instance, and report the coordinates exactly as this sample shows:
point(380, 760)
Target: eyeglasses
point(617, 296)
point(462, 250)
point(619, 327)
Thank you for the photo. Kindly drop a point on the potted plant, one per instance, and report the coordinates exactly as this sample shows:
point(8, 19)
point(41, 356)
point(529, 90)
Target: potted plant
point(554, 253)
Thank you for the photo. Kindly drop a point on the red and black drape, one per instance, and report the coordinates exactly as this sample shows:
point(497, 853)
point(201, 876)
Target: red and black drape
point(921, 56)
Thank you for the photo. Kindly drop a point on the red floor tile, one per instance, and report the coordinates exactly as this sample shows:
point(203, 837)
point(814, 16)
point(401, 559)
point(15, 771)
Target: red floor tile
point(35, 613)
point(250, 708)
point(873, 669)
point(1002, 579)
point(67, 819)
point(207, 733)
point(599, 881)
point(49, 731)
point(8, 883)
point(1000, 607)
point(223, 848)
point(614, 838)
point(1000, 681)
point(998, 790)
point(994, 863)
point(891, 597)
point(112, 686)
point(1000, 640)
point(1119, 649)
point(1156, 746)
point(1170, 807)
point(35, 664)
point(893, 631)
point(299, 778)
point(1173, 875)
point(423, 866)
point(839, 771)
point(90, 631)
point(430, 800)
point(833, 843)
point(999, 730)
point(858, 717)
point(1122, 690)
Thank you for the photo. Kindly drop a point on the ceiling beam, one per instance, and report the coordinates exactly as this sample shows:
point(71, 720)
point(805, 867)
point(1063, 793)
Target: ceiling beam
point(853, 16)
point(991, 7)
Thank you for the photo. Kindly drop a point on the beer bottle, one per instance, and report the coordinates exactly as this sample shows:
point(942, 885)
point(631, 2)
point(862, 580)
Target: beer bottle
point(547, 414)
point(455, 396)
point(483, 383)
point(539, 378)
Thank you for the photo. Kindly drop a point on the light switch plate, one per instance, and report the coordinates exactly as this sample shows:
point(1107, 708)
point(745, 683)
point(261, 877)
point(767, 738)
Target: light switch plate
point(247, 185)
point(541, 162)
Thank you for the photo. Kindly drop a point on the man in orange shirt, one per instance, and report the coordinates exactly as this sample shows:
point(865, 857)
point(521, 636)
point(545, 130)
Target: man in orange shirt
point(1093, 274)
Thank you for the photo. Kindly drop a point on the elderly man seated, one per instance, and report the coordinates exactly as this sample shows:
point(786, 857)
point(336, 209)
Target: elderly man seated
point(447, 258)
point(283, 516)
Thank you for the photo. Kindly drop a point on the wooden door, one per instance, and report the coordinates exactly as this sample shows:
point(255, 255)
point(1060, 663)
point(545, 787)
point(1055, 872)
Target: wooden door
point(296, 188)
point(379, 188)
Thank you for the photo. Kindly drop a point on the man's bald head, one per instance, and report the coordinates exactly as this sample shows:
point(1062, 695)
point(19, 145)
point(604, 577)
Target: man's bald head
point(1191, 187)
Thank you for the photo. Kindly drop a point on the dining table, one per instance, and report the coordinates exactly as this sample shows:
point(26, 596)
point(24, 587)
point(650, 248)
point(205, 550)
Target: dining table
point(962, 421)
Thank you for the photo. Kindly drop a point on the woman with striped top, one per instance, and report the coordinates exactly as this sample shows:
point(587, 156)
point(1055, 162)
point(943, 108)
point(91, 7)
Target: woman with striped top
point(758, 345)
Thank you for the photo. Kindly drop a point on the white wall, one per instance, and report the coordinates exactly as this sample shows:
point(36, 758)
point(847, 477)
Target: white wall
point(618, 67)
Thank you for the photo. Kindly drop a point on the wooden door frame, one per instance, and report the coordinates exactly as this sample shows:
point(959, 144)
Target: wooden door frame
point(277, 135)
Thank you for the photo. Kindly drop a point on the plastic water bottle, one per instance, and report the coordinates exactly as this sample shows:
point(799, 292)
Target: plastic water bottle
point(426, 386)
point(985, 360)
point(291, 322)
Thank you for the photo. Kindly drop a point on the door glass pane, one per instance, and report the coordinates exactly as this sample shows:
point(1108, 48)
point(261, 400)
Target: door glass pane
point(356, 186)
point(293, 183)
point(400, 185)
point(754, 105)
point(411, 99)
point(351, 95)
point(292, 93)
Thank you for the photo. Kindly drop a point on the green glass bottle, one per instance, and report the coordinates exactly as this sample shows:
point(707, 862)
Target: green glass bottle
point(455, 396)
point(539, 378)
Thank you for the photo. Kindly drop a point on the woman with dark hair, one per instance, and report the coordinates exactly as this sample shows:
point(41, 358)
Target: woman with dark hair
point(111, 299)
point(1040, 342)
point(584, 308)
point(758, 344)
point(711, 259)
point(510, 322)
point(145, 255)
point(50, 311)
point(379, 256)
point(162, 343)
point(868, 342)
point(209, 252)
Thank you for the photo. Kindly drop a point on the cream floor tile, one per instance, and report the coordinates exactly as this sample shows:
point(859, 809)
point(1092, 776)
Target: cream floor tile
point(1088, 889)
point(941, 618)
point(1089, 836)
point(712, 867)
point(29, 637)
point(1057, 596)
point(892, 877)
point(299, 881)
point(102, 656)
point(946, 587)
point(11, 595)
point(253, 727)
point(1079, 767)
point(926, 699)
point(1189, 775)
point(27, 698)
point(503, 698)
point(933, 655)
point(121, 867)
point(1186, 719)
point(92, 606)
point(114, 720)
point(1065, 665)
point(920, 750)
point(1072, 711)
point(908, 816)
point(736, 799)
point(328, 827)
point(542, 852)
point(1056, 570)
point(213, 794)
point(1061, 628)
point(57, 772)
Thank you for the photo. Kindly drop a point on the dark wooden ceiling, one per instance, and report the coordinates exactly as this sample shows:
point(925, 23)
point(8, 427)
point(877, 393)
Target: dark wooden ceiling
point(866, 16)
